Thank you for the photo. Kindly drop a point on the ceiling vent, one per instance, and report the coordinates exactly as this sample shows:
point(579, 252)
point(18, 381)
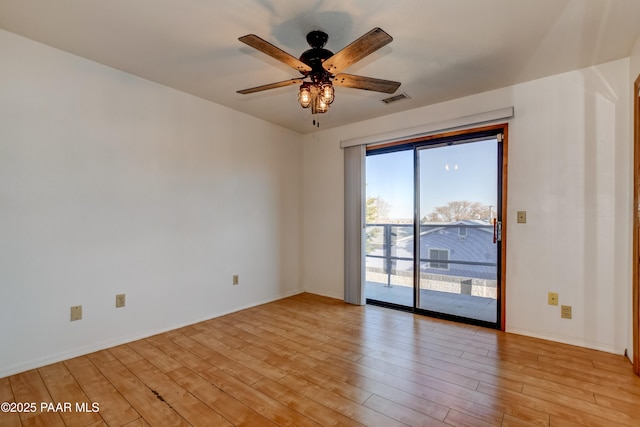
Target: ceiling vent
point(396, 98)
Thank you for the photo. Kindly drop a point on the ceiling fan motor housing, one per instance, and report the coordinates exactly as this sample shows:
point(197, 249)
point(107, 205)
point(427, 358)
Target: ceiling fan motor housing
point(317, 38)
point(315, 56)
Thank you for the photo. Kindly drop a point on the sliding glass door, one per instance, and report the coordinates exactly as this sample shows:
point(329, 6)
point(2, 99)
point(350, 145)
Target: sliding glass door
point(457, 201)
point(389, 229)
point(433, 235)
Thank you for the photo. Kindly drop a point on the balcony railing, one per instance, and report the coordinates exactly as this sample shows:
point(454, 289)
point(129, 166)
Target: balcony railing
point(456, 257)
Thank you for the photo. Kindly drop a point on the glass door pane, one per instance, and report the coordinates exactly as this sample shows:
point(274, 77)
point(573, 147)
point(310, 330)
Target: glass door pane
point(457, 205)
point(389, 228)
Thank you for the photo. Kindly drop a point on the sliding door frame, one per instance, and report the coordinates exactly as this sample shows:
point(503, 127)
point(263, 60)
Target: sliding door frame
point(460, 135)
point(636, 227)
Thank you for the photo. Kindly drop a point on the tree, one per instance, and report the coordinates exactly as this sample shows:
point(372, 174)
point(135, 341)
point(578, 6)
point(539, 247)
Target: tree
point(459, 210)
point(377, 209)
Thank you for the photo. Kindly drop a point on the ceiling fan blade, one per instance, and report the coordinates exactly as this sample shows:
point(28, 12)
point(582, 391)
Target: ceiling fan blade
point(365, 45)
point(274, 52)
point(270, 86)
point(366, 83)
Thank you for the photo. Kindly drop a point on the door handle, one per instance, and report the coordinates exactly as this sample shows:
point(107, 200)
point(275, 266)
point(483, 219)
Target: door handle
point(497, 230)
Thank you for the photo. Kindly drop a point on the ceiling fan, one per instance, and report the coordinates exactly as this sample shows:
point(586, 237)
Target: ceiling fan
point(321, 69)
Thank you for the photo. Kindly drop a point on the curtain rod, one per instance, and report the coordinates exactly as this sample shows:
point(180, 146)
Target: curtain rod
point(430, 128)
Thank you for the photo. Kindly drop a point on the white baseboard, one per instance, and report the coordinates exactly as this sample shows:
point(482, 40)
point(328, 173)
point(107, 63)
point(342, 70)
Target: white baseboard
point(325, 294)
point(567, 340)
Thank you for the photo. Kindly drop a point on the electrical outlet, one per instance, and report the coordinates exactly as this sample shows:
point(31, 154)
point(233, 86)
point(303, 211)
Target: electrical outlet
point(565, 311)
point(236, 279)
point(522, 217)
point(553, 298)
point(120, 300)
point(76, 312)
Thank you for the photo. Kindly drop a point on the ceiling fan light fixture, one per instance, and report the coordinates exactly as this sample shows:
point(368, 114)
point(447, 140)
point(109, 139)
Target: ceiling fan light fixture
point(327, 92)
point(304, 95)
point(312, 95)
point(322, 106)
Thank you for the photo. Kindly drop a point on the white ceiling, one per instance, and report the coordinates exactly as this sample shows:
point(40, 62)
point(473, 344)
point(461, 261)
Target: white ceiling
point(442, 49)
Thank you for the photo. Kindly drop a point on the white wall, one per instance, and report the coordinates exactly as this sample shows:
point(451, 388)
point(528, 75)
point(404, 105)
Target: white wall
point(113, 184)
point(635, 60)
point(569, 168)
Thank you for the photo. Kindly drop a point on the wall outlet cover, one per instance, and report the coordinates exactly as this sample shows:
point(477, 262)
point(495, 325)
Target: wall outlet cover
point(76, 312)
point(120, 300)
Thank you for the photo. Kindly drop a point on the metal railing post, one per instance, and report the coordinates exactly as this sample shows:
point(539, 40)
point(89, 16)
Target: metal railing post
point(387, 252)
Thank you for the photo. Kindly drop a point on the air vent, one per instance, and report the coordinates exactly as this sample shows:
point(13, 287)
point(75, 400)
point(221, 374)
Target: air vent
point(396, 98)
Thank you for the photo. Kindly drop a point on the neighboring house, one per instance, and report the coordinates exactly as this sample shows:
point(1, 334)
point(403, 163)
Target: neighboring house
point(443, 246)
point(460, 248)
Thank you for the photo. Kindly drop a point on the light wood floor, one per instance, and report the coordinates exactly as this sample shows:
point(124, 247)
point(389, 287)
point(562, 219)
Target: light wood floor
point(309, 360)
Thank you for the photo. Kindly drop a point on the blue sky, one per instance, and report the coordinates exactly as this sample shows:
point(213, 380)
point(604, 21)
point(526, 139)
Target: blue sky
point(448, 173)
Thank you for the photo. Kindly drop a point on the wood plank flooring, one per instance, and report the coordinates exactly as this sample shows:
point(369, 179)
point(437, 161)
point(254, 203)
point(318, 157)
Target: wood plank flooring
point(315, 361)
